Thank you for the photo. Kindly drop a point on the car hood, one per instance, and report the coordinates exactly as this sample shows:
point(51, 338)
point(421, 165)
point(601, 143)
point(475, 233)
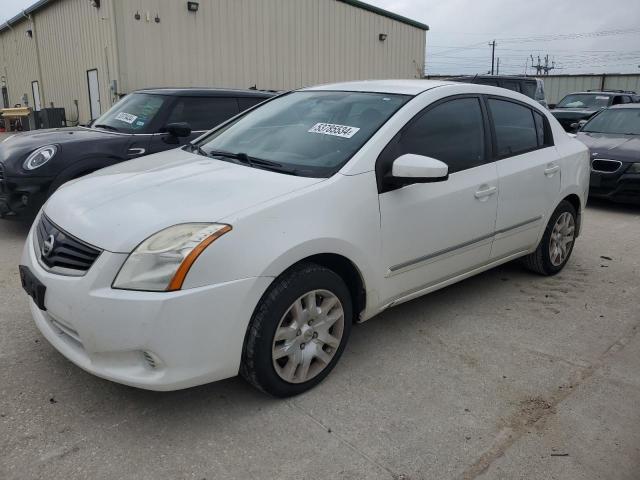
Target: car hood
point(15, 148)
point(118, 207)
point(625, 148)
point(573, 113)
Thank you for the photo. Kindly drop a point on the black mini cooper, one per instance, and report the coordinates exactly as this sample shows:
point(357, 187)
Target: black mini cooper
point(34, 164)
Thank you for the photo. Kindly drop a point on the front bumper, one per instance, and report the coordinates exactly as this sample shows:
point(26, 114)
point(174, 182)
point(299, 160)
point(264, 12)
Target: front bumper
point(623, 188)
point(150, 340)
point(20, 197)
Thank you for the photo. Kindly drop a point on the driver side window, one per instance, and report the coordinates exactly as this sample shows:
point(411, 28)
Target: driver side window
point(452, 132)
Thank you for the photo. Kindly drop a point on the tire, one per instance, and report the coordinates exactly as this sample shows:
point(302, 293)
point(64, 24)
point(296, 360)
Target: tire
point(304, 357)
point(542, 261)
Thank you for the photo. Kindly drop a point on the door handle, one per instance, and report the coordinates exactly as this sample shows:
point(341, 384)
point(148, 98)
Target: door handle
point(551, 170)
point(137, 151)
point(486, 192)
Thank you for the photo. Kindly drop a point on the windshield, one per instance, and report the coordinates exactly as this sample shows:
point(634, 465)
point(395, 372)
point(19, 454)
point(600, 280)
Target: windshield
point(621, 121)
point(132, 114)
point(313, 132)
point(584, 100)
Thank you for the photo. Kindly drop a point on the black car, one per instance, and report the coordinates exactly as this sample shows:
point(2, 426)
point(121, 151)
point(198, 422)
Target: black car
point(579, 106)
point(613, 138)
point(529, 86)
point(34, 164)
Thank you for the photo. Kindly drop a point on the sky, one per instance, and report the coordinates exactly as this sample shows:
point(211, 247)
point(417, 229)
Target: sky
point(586, 36)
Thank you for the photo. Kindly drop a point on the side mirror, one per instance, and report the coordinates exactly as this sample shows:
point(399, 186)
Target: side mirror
point(178, 129)
point(575, 127)
point(410, 168)
point(552, 106)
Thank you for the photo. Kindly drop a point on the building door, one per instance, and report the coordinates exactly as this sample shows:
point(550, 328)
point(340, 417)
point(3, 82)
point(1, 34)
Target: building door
point(94, 93)
point(5, 97)
point(35, 90)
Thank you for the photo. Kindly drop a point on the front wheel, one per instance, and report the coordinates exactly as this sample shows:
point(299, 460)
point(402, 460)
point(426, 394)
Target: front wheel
point(556, 245)
point(298, 331)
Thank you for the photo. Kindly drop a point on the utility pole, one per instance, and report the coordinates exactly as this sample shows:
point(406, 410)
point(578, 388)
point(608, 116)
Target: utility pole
point(548, 68)
point(498, 67)
point(493, 54)
point(543, 68)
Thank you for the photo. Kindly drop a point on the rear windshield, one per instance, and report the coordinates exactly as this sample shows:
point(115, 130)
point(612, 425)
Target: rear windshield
point(584, 100)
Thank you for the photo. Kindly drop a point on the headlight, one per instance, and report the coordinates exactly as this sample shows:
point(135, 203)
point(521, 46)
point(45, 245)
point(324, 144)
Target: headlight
point(162, 261)
point(634, 168)
point(39, 157)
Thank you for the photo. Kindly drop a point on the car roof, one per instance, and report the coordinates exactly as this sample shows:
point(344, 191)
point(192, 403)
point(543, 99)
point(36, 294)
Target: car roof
point(402, 87)
point(497, 77)
point(610, 94)
point(207, 92)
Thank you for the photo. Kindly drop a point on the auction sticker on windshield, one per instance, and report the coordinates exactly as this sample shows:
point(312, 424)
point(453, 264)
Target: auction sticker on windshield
point(343, 131)
point(126, 117)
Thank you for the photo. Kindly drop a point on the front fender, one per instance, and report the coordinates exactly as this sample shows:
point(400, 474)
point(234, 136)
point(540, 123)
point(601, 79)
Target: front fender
point(81, 167)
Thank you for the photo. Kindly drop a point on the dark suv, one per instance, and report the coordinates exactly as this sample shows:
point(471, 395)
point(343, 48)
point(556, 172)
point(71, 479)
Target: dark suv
point(34, 164)
point(529, 86)
point(575, 107)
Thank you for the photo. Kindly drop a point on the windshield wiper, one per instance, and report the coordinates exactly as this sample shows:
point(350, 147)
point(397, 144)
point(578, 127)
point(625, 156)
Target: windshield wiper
point(106, 127)
point(245, 159)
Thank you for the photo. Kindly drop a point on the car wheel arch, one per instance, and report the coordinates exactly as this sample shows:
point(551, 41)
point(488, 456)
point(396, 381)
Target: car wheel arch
point(345, 267)
point(574, 200)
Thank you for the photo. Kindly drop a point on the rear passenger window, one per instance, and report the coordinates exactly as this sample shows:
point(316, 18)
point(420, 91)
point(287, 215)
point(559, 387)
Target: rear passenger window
point(529, 89)
point(451, 132)
point(492, 83)
point(203, 113)
point(510, 85)
point(515, 127)
point(537, 117)
point(248, 102)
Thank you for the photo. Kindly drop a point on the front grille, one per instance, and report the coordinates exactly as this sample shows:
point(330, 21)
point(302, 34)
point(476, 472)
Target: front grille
point(60, 250)
point(1, 171)
point(605, 166)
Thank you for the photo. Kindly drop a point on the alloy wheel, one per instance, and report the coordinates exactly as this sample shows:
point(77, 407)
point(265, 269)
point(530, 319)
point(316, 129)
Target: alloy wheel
point(308, 336)
point(562, 237)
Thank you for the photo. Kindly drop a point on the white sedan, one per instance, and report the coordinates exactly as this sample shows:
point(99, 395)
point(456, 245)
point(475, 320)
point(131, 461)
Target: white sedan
point(254, 249)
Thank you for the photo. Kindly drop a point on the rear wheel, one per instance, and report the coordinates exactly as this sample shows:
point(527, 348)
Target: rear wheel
point(556, 245)
point(298, 331)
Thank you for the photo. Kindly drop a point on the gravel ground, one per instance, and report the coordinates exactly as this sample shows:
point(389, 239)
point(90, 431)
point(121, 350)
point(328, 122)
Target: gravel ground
point(506, 375)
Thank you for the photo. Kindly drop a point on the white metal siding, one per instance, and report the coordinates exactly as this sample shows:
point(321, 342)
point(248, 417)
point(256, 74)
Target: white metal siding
point(72, 37)
point(557, 86)
point(18, 64)
point(273, 44)
point(75, 37)
point(277, 44)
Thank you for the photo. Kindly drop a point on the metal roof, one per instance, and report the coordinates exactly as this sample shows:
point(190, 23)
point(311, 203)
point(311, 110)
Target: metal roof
point(21, 16)
point(385, 13)
point(354, 3)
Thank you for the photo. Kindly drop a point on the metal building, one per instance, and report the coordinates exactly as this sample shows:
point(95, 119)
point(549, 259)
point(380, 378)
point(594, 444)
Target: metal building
point(557, 86)
point(83, 54)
